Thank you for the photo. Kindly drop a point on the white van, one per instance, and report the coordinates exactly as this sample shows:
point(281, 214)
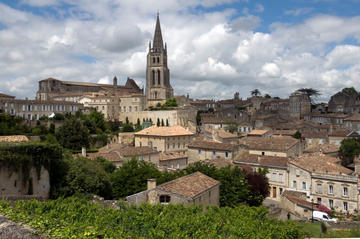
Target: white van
point(323, 216)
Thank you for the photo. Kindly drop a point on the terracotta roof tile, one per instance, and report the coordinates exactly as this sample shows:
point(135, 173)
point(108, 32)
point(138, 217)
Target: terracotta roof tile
point(321, 164)
point(262, 160)
point(288, 132)
point(172, 155)
point(258, 132)
point(14, 138)
point(324, 148)
point(342, 133)
point(128, 151)
point(165, 131)
point(355, 117)
point(211, 145)
point(189, 186)
point(314, 134)
point(225, 135)
point(295, 197)
point(279, 143)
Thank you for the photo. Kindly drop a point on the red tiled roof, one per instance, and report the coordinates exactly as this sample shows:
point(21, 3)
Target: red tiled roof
point(355, 117)
point(279, 143)
point(262, 160)
point(211, 145)
point(190, 185)
point(165, 131)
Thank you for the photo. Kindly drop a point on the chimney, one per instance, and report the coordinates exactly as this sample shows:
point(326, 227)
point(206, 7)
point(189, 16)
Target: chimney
point(151, 183)
point(83, 152)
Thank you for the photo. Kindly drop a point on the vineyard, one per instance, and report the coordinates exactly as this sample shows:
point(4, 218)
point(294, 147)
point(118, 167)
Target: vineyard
point(78, 218)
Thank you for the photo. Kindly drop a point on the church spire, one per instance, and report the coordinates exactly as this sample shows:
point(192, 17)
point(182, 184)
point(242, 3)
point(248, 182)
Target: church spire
point(158, 41)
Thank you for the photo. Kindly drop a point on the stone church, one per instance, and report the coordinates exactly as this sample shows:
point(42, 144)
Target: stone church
point(158, 87)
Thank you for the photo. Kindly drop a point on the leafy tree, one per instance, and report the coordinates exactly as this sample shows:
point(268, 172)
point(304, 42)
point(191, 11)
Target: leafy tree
point(73, 134)
point(267, 96)
point(233, 127)
point(98, 120)
point(59, 116)
point(349, 148)
point(128, 128)
point(10, 125)
point(132, 177)
point(350, 91)
point(127, 120)
point(86, 176)
point(297, 135)
point(309, 92)
point(158, 105)
point(52, 128)
point(138, 122)
point(108, 166)
point(171, 102)
point(255, 92)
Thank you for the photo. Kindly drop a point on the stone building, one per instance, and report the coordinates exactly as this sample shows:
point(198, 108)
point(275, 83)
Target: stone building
point(353, 123)
point(201, 150)
point(51, 88)
point(299, 105)
point(35, 109)
point(164, 139)
point(277, 171)
point(173, 161)
point(192, 189)
point(325, 181)
point(6, 97)
point(341, 102)
point(158, 87)
point(281, 146)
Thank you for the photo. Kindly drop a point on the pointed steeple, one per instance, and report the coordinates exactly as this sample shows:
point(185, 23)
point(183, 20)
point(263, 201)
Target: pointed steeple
point(158, 41)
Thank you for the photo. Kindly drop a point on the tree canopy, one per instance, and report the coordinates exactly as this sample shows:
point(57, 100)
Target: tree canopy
point(255, 92)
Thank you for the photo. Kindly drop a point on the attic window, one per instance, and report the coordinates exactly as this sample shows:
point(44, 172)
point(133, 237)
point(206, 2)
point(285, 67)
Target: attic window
point(165, 199)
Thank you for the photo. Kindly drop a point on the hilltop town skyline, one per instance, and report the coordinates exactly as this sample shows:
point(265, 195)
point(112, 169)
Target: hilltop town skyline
point(216, 48)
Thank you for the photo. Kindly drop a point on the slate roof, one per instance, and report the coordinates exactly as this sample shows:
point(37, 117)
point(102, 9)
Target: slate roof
point(190, 185)
point(165, 131)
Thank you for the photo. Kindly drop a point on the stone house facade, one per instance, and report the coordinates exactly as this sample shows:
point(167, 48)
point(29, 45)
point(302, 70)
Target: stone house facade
point(201, 150)
point(192, 189)
point(353, 123)
point(341, 102)
point(173, 161)
point(164, 139)
point(325, 181)
point(277, 171)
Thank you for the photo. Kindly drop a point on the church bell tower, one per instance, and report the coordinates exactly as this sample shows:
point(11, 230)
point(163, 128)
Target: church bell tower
point(158, 87)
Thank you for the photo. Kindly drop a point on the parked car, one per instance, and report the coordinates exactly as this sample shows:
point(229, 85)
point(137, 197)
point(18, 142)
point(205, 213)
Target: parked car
point(322, 216)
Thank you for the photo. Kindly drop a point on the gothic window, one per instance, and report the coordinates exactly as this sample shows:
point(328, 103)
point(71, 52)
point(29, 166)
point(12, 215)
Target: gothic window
point(158, 60)
point(159, 77)
point(153, 59)
point(155, 95)
point(153, 77)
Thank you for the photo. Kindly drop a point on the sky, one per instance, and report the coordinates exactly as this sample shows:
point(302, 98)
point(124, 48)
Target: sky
point(215, 47)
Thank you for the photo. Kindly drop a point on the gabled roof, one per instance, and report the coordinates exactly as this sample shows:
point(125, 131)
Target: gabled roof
point(297, 197)
point(258, 132)
point(355, 117)
point(323, 148)
point(164, 131)
point(287, 132)
point(172, 155)
point(343, 133)
point(6, 96)
point(225, 135)
point(128, 151)
point(189, 186)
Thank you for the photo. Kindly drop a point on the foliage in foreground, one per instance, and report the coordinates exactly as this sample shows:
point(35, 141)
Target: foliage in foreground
point(78, 218)
point(314, 230)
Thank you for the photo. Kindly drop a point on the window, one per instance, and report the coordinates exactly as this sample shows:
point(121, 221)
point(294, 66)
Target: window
point(168, 146)
point(124, 108)
point(165, 199)
point(199, 151)
point(345, 206)
point(319, 200)
point(346, 193)
point(281, 179)
point(178, 165)
point(103, 108)
point(159, 77)
point(214, 153)
point(331, 203)
point(262, 153)
point(136, 108)
point(173, 146)
point(226, 154)
point(294, 184)
point(129, 108)
point(320, 141)
point(310, 141)
point(178, 145)
point(304, 185)
point(331, 189)
point(319, 188)
point(274, 177)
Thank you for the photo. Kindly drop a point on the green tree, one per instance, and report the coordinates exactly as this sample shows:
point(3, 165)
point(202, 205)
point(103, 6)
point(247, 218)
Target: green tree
point(267, 96)
point(158, 122)
point(255, 92)
point(132, 177)
point(171, 102)
point(349, 148)
point(73, 134)
point(52, 128)
point(167, 122)
point(98, 119)
point(128, 128)
point(86, 176)
point(297, 135)
point(233, 127)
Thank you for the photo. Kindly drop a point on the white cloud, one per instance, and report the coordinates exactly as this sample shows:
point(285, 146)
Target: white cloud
point(259, 8)
point(298, 11)
point(212, 53)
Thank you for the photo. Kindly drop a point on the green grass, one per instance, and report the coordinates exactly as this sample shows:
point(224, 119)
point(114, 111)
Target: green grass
point(314, 230)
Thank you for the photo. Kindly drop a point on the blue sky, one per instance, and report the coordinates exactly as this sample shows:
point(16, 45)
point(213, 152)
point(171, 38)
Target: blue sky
point(215, 47)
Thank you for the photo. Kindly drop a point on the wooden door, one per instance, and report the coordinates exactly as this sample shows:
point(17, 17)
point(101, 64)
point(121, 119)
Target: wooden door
point(274, 192)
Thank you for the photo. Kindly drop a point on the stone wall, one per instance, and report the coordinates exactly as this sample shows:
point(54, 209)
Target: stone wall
point(9, 229)
point(12, 183)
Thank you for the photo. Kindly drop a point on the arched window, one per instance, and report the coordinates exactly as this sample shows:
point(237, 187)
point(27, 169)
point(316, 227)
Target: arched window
point(153, 77)
point(155, 94)
point(159, 77)
point(153, 59)
point(158, 60)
